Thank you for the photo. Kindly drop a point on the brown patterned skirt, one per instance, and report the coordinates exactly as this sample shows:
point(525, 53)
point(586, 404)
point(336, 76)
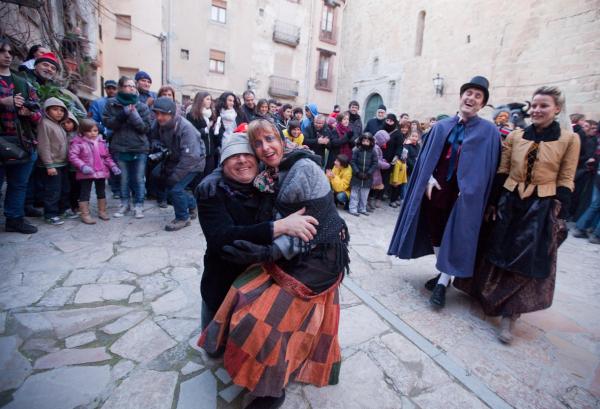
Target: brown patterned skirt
point(507, 293)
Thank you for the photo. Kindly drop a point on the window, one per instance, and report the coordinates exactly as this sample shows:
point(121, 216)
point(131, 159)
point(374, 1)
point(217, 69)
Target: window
point(420, 30)
point(128, 72)
point(218, 11)
point(216, 62)
point(100, 32)
point(327, 24)
point(185, 54)
point(324, 80)
point(123, 27)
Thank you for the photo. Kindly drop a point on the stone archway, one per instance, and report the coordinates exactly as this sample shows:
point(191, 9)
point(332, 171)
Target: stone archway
point(373, 101)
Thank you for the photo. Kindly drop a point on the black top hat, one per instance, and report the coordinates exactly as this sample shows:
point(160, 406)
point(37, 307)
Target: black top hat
point(479, 82)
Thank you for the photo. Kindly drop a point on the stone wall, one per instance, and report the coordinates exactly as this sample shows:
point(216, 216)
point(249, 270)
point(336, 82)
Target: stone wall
point(517, 46)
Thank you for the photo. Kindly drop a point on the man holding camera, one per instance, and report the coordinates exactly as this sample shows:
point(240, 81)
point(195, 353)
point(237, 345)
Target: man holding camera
point(19, 113)
point(179, 148)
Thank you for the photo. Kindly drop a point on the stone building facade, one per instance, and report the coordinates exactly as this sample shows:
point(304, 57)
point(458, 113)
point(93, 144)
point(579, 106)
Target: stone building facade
point(392, 50)
point(285, 49)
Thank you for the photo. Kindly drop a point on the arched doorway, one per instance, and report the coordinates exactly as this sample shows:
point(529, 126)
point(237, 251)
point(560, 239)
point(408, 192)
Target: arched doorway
point(373, 102)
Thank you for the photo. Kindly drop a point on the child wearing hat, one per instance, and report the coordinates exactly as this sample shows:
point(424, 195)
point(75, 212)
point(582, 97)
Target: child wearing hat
point(52, 149)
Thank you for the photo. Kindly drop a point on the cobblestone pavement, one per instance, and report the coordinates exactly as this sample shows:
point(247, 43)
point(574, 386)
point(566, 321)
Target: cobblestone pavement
point(108, 315)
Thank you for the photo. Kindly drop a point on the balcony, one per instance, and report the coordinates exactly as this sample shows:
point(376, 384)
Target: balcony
point(283, 87)
point(328, 36)
point(287, 34)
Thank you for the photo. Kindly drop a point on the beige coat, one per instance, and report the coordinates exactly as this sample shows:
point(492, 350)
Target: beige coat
point(555, 165)
point(53, 144)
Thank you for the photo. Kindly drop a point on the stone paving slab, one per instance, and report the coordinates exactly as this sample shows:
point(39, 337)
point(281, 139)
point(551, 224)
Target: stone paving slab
point(144, 288)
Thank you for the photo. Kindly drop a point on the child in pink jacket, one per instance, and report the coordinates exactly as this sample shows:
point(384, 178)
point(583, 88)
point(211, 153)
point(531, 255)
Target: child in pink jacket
point(89, 155)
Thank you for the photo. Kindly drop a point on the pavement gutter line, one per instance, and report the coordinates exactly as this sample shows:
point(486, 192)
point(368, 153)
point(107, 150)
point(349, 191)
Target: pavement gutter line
point(471, 382)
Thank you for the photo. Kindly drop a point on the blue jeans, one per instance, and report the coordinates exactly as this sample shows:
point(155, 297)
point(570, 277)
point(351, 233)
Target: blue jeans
point(132, 177)
point(342, 198)
point(17, 177)
point(181, 199)
point(590, 219)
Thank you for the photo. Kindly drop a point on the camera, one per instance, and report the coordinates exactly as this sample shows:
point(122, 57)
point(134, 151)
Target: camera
point(159, 154)
point(31, 105)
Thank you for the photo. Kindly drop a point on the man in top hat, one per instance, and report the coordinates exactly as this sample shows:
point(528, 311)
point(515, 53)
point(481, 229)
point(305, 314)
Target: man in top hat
point(448, 191)
point(144, 82)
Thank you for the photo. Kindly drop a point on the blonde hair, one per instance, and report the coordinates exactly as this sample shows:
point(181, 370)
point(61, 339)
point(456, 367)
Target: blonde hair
point(560, 100)
point(261, 125)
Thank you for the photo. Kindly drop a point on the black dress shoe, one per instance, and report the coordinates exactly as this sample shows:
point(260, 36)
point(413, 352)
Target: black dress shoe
point(31, 211)
point(430, 284)
point(438, 297)
point(267, 402)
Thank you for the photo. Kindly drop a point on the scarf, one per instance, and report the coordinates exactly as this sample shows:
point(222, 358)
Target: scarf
point(228, 117)
point(455, 140)
point(548, 134)
point(206, 114)
point(342, 130)
point(127, 99)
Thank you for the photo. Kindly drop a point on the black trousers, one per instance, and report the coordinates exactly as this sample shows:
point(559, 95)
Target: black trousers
point(74, 191)
point(56, 192)
point(86, 189)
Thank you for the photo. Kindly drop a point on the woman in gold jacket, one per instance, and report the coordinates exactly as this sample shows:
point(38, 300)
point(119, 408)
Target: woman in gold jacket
point(517, 272)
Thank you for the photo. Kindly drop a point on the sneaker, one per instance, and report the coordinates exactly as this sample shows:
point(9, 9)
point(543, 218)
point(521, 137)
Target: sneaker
point(580, 234)
point(163, 205)
point(55, 221)
point(116, 196)
point(19, 225)
point(193, 213)
point(594, 239)
point(70, 214)
point(393, 204)
point(366, 213)
point(354, 214)
point(175, 225)
point(123, 209)
point(138, 212)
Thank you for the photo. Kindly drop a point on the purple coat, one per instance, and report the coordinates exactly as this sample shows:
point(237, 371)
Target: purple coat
point(477, 166)
point(381, 138)
point(81, 153)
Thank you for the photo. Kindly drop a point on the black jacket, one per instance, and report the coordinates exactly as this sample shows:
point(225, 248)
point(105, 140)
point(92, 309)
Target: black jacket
point(247, 115)
point(364, 162)
point(224, 218)
point(311, 139)
point(374, 125)
point(129, 129)
point(357, 127)
point(212, 141)
point(394, 146)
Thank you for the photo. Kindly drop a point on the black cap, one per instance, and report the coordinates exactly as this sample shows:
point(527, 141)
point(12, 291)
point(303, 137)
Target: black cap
point(479, 82)
point(165, 105)
point(382, 107)
point(110, 83)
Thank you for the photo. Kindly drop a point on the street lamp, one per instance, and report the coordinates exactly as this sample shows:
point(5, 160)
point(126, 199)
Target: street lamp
point(438, 85)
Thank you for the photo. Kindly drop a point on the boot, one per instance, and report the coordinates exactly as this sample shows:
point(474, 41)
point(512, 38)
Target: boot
point(370, 204)
point(505, 331)
point(102, 210)
point(377, 203)
point(19, 225)
point(84, 208)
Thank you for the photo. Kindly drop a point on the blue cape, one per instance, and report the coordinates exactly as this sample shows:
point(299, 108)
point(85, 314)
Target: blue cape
point(477, 166)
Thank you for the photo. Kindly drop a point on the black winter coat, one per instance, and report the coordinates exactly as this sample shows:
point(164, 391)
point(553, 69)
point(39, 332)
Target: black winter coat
point(374, 125)
point(224, 218)
point(357, 127)
point(394, 146)
point(364, 162)
point(311, 137)
point(129, 129)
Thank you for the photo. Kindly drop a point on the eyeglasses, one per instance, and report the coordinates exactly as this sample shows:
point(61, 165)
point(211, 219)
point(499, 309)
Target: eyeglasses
point(7, 50)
